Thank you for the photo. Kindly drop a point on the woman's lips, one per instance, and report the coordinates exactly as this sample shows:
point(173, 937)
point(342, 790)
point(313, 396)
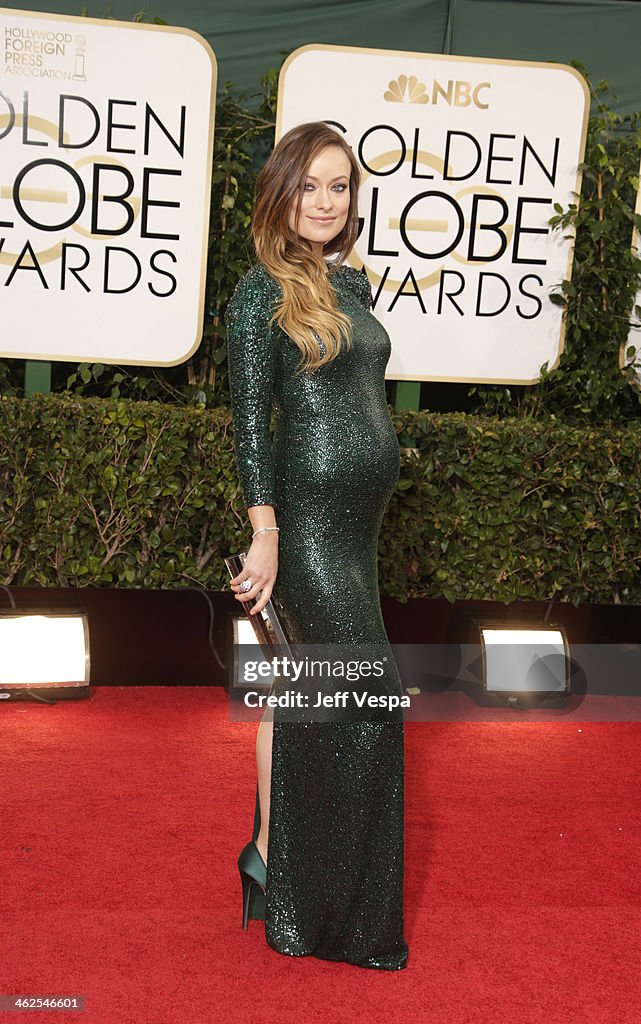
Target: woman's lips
point(323, 220)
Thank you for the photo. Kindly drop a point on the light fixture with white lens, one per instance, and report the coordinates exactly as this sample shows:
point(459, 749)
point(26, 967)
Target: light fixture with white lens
point(246, 648)
point(524, 662)
point(42, 650)
point(243, 630)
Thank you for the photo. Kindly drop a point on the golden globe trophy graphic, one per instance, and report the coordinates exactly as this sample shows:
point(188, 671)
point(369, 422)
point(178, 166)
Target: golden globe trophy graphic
point(79, 70)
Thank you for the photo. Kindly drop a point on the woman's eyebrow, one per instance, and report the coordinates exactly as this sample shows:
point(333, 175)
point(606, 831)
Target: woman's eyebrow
point(312, 178)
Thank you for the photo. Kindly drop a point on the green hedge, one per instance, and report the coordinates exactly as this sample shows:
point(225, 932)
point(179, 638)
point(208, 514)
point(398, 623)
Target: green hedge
point(99, 492)
point(115, 493)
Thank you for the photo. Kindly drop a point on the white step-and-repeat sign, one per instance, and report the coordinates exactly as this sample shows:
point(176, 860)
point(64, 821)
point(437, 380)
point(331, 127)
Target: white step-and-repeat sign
point(463, 162)
point(106, 141)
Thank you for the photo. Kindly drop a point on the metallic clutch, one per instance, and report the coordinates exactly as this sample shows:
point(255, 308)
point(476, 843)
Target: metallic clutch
point(268, 624)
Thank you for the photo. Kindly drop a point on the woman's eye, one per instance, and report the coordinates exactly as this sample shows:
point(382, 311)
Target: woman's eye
point(339, 185)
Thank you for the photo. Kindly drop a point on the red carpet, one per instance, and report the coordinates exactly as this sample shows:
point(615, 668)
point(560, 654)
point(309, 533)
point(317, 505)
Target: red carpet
point(122, 817)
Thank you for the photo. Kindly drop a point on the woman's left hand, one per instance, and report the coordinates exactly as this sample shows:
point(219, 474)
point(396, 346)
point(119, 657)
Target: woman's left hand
point(261, 567)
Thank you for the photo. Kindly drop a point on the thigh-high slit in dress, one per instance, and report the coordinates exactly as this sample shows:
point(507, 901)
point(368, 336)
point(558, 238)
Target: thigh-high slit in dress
point(335, 846)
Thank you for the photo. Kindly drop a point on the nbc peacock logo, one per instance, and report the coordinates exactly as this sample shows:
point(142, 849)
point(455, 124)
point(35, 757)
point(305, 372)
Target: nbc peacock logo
point(406, 90)
point(452, 93)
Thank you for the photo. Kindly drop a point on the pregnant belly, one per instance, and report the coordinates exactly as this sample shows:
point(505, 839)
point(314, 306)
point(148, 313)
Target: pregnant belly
point(356, 456)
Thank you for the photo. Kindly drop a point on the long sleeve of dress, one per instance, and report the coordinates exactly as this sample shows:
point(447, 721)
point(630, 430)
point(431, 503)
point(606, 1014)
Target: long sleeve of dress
point(252, 362)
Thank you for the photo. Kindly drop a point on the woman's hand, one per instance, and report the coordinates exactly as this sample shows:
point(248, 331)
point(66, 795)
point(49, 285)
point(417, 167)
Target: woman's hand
point(261, 567)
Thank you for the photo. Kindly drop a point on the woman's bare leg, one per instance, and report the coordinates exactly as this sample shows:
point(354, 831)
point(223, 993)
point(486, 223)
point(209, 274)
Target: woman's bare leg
point(264, 771)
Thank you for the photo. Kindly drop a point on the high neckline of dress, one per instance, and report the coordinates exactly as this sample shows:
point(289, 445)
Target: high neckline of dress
point(332, 269)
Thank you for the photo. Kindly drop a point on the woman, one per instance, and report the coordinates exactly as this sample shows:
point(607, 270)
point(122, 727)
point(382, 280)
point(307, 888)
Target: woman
point(328, 837)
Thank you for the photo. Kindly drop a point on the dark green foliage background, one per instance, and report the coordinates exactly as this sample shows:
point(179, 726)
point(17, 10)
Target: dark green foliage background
point(101, 492)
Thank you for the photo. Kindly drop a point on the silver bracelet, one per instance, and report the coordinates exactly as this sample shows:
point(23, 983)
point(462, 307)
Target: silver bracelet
point(265, 528)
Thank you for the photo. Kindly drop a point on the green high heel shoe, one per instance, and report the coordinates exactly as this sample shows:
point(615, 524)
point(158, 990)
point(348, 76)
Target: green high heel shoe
point(252, 875)
point(253, 871)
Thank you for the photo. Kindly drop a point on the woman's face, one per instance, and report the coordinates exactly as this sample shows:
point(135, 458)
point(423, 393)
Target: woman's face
point(325, 199)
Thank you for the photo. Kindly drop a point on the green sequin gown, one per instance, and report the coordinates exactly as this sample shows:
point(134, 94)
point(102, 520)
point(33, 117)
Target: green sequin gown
point(335, 851)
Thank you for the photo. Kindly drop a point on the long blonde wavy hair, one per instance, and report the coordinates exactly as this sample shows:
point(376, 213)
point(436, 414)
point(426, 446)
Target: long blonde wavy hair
point(308, 306)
